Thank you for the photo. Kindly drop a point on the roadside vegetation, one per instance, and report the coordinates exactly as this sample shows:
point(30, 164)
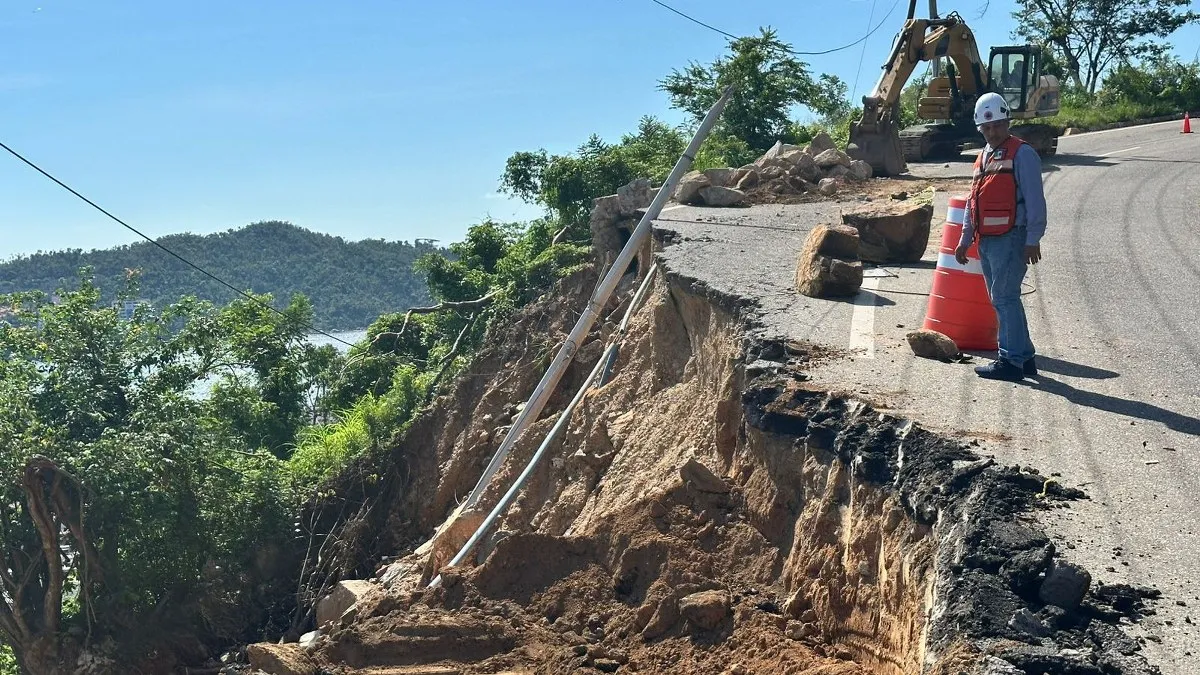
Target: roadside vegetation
point(154, 469)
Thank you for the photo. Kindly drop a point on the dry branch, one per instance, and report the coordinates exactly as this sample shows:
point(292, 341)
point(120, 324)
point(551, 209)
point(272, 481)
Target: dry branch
point(452, 353)
point(441, 306)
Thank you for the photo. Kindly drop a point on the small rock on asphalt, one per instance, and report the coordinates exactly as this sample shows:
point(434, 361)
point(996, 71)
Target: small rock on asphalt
point(1065, 585)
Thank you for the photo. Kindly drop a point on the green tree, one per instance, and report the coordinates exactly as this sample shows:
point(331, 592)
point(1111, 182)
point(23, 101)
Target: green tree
point(1089, 36)
point(261, 398)
point(121, 494)
point(771, 85)
point(566, 184)
point(1160, 81)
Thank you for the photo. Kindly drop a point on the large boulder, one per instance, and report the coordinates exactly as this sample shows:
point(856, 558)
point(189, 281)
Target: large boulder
point(793, 156)
point(828, 265)
point(828, 186)
point(689, 188)
point(826, 277)
point(702, 478)
point(892, 231)
point(837, 171)
point(831, 158)
point(714, 195)
point(820, 143)
point(722, 177)
point(771, 173)
point(838, 241)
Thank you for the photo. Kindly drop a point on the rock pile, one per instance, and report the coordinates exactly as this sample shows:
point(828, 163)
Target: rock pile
point(784, 170)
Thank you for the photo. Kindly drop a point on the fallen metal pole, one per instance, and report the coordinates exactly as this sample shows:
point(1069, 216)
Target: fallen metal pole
point(502, 505)
point(603, 365)
point(541, 393)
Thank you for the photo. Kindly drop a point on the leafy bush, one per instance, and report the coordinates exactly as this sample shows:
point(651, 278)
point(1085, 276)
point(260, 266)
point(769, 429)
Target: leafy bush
point(108, 454)
point(8, 662)
point(368, 426)
point(1160, 83)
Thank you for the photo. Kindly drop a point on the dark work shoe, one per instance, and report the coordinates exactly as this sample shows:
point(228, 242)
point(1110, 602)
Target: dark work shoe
point(1000, 370)
point(1030, 367)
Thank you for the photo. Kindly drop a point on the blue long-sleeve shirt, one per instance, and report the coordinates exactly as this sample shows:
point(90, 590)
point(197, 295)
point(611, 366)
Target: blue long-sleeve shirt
point(1031, 206)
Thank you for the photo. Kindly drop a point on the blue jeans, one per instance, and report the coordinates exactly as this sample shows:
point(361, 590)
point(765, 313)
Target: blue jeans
point(1003, 259)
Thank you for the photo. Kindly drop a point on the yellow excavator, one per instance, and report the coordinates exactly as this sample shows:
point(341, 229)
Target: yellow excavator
point(948, 105)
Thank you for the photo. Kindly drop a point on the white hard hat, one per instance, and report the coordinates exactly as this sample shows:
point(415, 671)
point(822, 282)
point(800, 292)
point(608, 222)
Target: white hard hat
point(989, 108)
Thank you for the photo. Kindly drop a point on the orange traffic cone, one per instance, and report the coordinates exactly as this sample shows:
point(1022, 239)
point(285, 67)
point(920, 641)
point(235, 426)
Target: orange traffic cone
point(1187, 124)
point(959, 305)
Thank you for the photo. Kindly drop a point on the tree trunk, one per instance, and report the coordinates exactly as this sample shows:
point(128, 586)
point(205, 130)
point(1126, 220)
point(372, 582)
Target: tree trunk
point(47, 655)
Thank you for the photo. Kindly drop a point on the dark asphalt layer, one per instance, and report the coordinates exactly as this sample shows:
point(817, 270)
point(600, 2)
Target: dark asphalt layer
point(1114, 310)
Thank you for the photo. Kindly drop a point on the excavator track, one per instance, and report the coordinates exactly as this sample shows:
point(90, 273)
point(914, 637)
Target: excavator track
point(1043, 137)
point(923, 143)
point(916, 146)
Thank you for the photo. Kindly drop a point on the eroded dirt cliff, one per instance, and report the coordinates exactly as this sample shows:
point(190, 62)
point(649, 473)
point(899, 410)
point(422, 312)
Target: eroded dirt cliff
point(707, 511)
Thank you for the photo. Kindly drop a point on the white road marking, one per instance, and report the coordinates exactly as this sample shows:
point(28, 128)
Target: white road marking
point(1135, 126)
point(1115, 152)
point(862, 319)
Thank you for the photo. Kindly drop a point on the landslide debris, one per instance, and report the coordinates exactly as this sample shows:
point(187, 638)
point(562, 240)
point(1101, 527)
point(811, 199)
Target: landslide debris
point(784, 171)
point(707, 511)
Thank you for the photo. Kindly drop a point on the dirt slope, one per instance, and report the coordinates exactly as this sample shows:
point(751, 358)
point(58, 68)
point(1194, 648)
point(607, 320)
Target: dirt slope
point(706, 511)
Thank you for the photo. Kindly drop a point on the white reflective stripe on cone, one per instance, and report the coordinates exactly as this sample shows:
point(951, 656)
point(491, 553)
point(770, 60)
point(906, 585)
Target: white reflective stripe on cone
point(956, 215)
point(947, 261)
point(988, 221)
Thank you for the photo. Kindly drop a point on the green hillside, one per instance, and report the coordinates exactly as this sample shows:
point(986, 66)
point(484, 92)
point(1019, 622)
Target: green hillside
point(350, 283)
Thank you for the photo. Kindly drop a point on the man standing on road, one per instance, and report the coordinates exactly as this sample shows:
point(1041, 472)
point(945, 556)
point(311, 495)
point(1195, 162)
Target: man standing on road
point(1007, 211)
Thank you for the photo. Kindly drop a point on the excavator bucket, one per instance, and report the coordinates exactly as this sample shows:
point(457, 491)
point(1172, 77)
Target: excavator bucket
point(877, 144)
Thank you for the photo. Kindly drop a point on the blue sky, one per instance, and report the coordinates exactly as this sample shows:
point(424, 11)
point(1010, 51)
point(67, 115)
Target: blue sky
point(365, 119)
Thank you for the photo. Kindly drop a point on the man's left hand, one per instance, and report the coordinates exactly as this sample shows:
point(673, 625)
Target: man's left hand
point(1033, 254)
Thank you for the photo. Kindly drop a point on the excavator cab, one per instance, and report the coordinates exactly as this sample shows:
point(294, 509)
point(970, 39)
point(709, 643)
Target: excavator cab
point(1013, 73)
point(1016, 74)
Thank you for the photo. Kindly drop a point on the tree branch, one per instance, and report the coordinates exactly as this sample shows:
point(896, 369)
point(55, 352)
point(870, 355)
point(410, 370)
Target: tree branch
point(39, 513)
point(449, 357)
point(441, 306)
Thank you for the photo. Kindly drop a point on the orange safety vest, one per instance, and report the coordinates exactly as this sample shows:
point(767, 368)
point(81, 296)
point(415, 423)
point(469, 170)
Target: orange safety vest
point(993, 199)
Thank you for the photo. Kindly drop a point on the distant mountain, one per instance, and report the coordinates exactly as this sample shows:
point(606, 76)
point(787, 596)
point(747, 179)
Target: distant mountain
point(350, 283)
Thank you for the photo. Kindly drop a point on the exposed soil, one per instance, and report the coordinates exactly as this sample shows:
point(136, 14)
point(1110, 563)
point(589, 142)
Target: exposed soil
point(707, 511)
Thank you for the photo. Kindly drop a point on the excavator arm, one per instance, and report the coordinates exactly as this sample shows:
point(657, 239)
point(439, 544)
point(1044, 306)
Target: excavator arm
point(875, 137)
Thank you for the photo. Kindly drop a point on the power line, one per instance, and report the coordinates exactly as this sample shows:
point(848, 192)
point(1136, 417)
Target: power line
point(858, 41)
point(863, 53)
point(790, 51)
point(173, 254)
point(731, 36)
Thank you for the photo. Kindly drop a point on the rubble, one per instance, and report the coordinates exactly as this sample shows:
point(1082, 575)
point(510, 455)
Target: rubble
point(819, 169)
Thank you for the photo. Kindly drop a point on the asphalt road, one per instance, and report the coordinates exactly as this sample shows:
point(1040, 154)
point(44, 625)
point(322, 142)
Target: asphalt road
point(1114, 311)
